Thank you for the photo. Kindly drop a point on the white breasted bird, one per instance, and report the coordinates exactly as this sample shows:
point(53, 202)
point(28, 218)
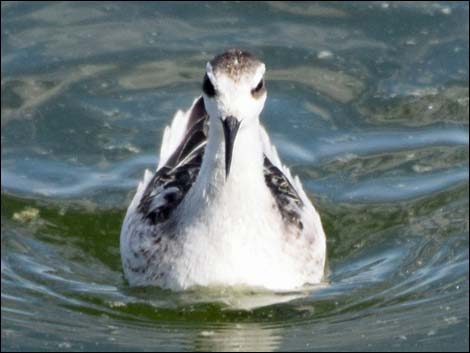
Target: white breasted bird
point(221, 208)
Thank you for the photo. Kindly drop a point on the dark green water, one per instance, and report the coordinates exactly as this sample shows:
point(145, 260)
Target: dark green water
point(367, 102)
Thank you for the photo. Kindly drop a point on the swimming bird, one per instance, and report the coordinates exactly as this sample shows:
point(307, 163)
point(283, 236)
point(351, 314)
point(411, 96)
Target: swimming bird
point(221, 209)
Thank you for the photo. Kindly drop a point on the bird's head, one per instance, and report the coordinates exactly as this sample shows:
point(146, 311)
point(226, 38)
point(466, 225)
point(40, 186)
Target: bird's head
point(234, 93)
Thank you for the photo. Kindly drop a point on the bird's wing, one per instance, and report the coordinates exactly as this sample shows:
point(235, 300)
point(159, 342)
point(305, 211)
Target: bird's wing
point(300, 217)
point(291, 199)
point(183, 147)
point(181, 132)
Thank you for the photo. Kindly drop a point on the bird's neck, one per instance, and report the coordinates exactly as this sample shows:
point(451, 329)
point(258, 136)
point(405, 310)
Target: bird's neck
point(246, 172)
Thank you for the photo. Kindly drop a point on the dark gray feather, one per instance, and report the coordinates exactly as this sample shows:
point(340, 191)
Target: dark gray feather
point(175, 178)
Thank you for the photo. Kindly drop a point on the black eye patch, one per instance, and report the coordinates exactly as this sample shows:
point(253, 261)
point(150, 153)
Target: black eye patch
point(256, 92)
point(208, 87)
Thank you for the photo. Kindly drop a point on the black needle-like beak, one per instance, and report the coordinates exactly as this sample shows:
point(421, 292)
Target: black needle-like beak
point(231, 125)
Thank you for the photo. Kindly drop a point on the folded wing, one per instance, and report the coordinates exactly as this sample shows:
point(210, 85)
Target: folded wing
point(181, 154)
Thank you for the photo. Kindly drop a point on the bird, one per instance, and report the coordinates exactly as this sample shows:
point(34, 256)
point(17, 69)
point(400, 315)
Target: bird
point(221, 209)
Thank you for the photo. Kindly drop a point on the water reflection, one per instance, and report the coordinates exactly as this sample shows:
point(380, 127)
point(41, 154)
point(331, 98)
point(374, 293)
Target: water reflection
point(238, 338)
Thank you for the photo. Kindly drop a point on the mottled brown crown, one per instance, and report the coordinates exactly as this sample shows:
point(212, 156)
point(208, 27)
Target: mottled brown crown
point(234, 63)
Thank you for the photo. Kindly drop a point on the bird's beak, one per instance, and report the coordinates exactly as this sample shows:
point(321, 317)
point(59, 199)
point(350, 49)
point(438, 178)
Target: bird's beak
point(231, 125)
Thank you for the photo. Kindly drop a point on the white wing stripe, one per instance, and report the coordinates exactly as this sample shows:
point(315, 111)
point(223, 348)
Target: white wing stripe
point(271, 153)
point(174, 134)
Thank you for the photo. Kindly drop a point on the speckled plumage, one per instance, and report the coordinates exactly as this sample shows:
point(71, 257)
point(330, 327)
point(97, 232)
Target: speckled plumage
point(192, 224)
point(234, 63)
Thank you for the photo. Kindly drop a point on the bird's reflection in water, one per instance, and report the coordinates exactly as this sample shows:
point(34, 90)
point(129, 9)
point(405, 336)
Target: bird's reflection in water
point(239, 337)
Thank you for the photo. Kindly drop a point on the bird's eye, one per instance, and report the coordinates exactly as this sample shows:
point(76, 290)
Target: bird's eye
point(208, 87)
point(258, 89)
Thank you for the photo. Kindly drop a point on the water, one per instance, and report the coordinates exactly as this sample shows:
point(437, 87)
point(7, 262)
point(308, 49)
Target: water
point(368, 103)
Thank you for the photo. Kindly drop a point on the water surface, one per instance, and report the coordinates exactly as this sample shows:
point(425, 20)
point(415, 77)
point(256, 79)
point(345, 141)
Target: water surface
point(368, 103)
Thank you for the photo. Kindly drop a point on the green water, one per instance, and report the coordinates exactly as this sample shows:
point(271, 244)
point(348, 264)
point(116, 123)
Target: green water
point(367, 102)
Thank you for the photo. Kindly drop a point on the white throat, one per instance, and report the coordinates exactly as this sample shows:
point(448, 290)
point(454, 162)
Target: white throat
point(246, 171)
